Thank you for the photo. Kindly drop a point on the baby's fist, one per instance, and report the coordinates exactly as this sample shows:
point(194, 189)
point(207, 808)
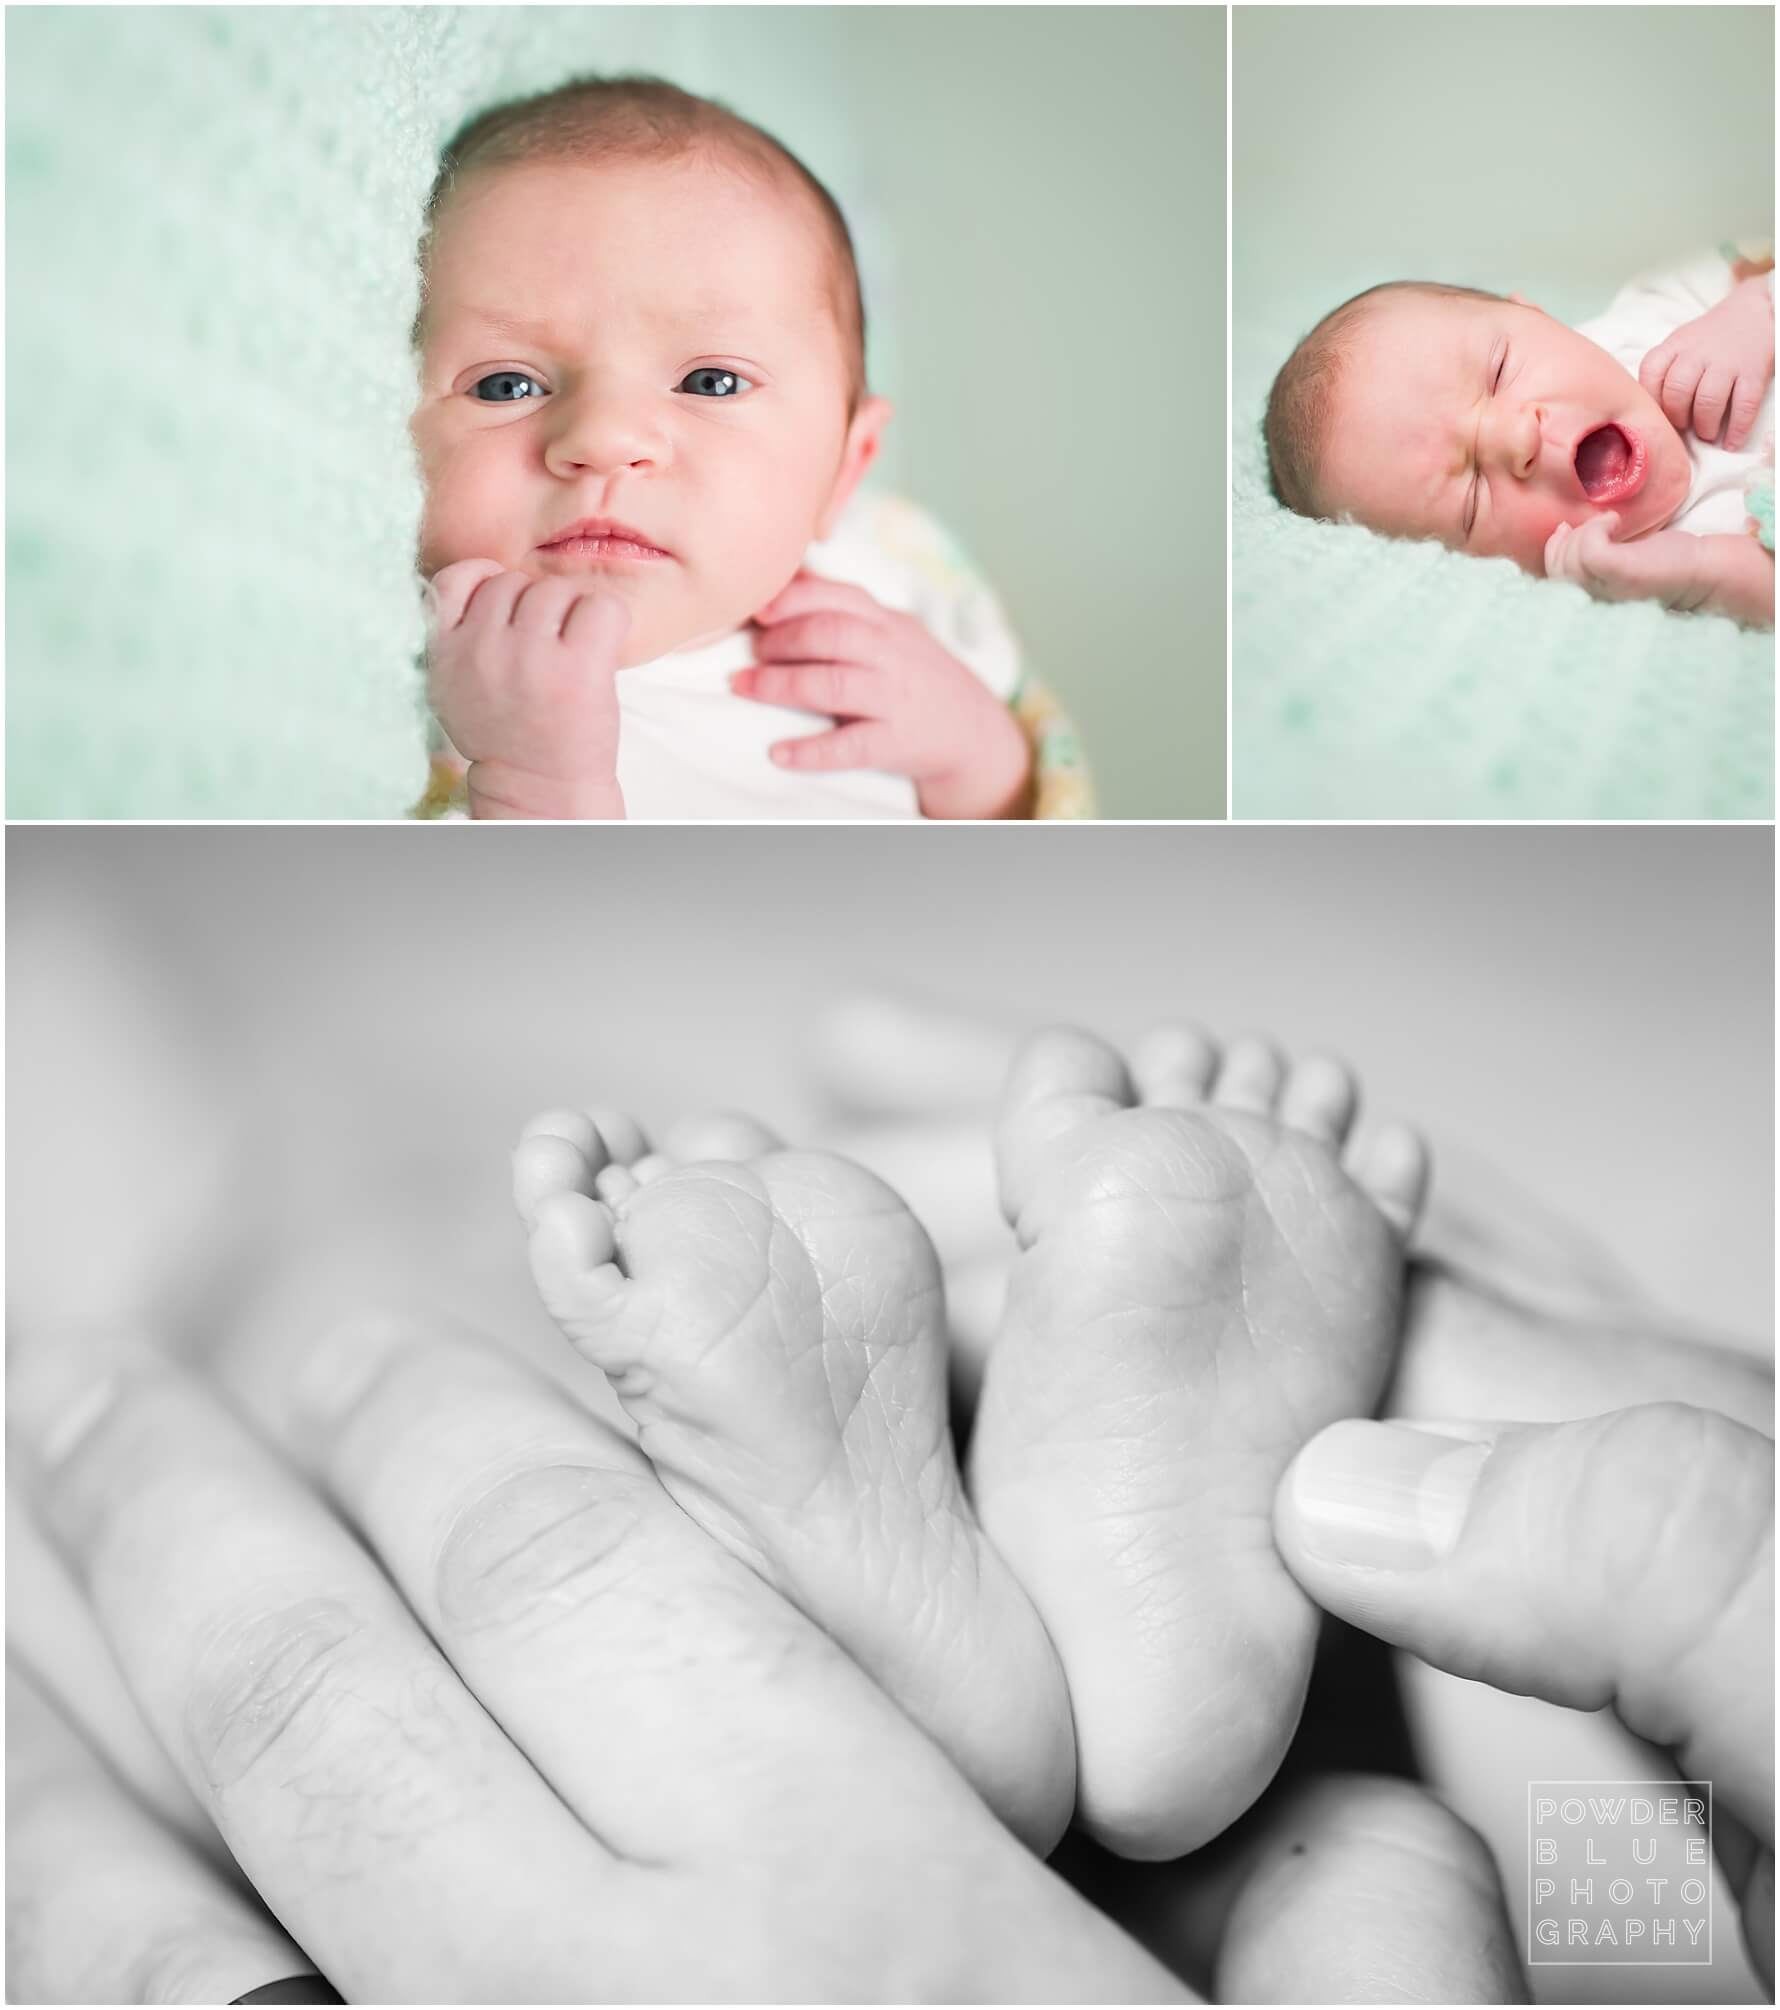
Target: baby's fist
point(520, 673)
point(1660, 566)
point(1715, 369)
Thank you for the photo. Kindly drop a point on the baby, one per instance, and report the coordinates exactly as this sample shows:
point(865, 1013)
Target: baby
point(1208, 1275)
point(1633, 455)
point(641, 350)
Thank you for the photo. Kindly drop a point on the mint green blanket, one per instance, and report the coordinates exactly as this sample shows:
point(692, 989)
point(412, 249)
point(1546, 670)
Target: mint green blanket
point(1375, 678)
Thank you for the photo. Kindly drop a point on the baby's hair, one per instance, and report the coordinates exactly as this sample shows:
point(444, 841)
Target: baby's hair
point(1302, 402)
point(593, 119)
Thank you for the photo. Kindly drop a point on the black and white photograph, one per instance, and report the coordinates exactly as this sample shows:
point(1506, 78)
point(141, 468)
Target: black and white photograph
point(649, 1420)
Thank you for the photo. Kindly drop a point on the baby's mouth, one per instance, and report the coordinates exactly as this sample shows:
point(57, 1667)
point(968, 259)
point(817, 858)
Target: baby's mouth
point(1611, 463)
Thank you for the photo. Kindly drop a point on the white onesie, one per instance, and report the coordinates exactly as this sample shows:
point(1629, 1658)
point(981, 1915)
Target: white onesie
point(691, 750)
point(1647, 312)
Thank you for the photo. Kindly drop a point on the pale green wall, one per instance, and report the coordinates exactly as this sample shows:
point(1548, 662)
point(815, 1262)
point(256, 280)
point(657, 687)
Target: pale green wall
point(211, 498)
point(1512, 147)
point(1052, 180)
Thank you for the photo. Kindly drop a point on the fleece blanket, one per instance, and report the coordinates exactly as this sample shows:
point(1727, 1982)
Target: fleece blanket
point(211, 495)
point(1378, 678)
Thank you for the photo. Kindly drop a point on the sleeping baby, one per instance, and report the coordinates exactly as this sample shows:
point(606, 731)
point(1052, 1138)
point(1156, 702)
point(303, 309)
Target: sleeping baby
point(1633, 454)
point(642, 419)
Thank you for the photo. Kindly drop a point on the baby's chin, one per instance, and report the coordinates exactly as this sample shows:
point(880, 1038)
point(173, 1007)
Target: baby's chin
point(1671, 476)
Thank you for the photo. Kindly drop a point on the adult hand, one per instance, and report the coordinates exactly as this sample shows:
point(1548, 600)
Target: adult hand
point(520, 672)
point(1623, 1560)
point(907, 705)
point(569, 1747)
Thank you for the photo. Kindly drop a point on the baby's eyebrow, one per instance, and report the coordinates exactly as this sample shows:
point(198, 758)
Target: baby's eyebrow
point(704, 309)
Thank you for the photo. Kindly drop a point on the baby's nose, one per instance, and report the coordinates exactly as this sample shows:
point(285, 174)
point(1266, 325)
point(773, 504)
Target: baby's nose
point(1519, 440)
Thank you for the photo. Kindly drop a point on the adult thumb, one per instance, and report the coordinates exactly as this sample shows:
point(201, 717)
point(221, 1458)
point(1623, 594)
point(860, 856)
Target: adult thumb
point(1623, 1560)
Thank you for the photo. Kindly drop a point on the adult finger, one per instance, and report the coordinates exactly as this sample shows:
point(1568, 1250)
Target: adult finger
point(1624, 1560)
point(828, 636)
point(539, 1548)
point(843, 690)
point(810, 593)
point(1352, 1878)
point(104, 1904)
point(1472, 1351)
point(865, 743)
point(448, 591)
point(1745, 410)
point(880, 1053)
point(1711, 401)
point(399, 1837)
point(51, 1632)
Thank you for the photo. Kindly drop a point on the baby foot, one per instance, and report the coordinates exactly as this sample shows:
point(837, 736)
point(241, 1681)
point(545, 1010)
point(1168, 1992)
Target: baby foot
point(1202, 1286)
point(773, 1322)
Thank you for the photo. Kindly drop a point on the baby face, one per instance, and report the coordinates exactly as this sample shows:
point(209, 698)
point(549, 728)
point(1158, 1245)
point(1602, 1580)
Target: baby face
point(1487, 424)
point(645, 343)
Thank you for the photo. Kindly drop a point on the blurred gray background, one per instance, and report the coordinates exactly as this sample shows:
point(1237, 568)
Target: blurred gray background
point(1584, 1015)
point(211, 219)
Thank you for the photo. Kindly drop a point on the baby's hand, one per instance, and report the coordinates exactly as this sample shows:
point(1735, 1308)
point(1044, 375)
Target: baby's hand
point(907, 705)
point(1661, 566)
point(520, 674)
point(1722, 362)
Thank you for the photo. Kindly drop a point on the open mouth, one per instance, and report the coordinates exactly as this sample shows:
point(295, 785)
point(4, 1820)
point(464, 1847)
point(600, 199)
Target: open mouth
point(1611, 463)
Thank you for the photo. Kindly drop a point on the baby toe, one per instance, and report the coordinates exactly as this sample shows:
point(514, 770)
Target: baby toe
point(650, 1167)
point(622, 1134)
point(1391, 1165)
point(1320, 1099)
point(1251, 1077)
point(615, 1185)
point(576, 1127)
point(573, 1259)
point(1061, 1079)
point(1174, 1067)
point(545, 1163)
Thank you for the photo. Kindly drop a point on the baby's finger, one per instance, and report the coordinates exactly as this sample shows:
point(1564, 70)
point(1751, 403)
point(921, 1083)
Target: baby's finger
point(1679, 385)
point(824, 635)
point(1655, 367)
point(597, 624)
point(843, 690)
point(1745, 410)
point(1626, 1559)
point(1711, 401)
point(103, 1903)
point(448, 591)
point(541, 606)
point(1554, 551)
point(867, 743)
point(810, 593)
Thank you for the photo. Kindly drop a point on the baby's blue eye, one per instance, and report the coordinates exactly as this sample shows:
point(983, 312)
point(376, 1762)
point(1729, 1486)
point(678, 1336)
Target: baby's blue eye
point(724, 385)
point(503, 377)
